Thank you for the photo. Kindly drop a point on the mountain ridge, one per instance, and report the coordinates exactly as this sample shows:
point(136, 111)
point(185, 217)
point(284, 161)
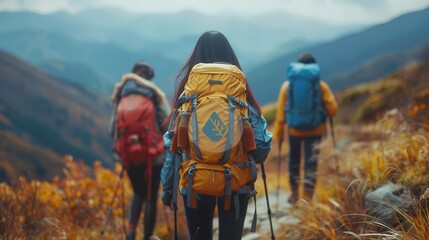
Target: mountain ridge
point(157, 37)
point(338, 56)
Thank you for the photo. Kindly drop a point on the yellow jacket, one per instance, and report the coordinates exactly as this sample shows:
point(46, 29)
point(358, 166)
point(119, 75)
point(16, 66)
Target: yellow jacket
point(329, 104)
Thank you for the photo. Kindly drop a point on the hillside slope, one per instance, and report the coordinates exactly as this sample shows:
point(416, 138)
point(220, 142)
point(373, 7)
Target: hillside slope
point(38, 112)
point(406, 89)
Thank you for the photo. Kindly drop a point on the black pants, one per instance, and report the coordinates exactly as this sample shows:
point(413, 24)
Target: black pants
point(140, 188)
point(311, 155)
point(200, 220)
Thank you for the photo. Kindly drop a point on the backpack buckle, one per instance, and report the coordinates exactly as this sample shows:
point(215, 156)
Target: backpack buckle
point(252, 193)
point(170, 134)
point(228, 173)
point(232, 106)
point(191, 170)
point(134, 138)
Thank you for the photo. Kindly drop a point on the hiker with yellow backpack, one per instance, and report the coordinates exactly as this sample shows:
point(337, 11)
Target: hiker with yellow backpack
point(303, 105)
point(215, 138)
point(136, 127)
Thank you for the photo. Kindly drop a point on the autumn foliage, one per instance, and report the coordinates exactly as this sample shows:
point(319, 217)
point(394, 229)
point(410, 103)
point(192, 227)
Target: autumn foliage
point(73, 207)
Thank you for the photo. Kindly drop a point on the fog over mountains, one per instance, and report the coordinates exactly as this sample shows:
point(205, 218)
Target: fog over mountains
point(109, 41)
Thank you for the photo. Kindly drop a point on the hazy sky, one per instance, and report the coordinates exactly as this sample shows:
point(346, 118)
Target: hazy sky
point(333, 11)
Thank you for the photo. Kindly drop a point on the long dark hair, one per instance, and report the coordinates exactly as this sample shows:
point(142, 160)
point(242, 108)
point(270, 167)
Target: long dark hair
point(212, 46)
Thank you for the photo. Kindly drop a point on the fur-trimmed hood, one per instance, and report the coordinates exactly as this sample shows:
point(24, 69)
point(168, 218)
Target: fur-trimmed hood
point(160, 95)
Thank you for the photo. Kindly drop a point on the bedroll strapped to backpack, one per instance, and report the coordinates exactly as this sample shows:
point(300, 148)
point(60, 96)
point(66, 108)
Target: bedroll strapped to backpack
point(138, 140)
point(304, 107)
point(214, 135)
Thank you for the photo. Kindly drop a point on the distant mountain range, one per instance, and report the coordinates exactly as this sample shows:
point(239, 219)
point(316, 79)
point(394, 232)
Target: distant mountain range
point(146, 31)
point(104, 43)
point(94, 48)
point(57, 54)
point(42, 119)
point(378, 67)
point(347, 53)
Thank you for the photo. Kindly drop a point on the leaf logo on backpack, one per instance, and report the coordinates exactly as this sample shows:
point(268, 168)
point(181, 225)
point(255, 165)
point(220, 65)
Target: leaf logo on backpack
point(304, 107)
point(215, 129)
point(210, 128)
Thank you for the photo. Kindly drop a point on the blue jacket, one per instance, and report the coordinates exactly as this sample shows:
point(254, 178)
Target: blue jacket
point(263, 144)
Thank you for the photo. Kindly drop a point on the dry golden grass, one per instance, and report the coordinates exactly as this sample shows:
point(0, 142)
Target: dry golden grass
point(368, 157)
point(74, 207)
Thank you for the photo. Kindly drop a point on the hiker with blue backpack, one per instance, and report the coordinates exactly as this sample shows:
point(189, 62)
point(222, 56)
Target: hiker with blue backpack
point(303, 105)
point(136, 127)
point(215, 138)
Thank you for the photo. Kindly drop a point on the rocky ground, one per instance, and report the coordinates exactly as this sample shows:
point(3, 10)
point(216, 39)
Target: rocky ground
point(279, 212)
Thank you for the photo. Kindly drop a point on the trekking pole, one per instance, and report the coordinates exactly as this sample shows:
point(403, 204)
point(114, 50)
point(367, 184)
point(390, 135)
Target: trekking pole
point(124, 223)
point(331, 123)
point(110, 208)
point(279, 163)
point(264, 177)
point(176, 236)
point(175, 192)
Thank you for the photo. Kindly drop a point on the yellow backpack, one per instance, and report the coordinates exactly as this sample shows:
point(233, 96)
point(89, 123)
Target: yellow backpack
point(213, 134)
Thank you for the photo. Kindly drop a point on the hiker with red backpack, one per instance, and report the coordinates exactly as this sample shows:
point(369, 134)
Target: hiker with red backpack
point(136, 126)
point(215, 138)
point(303, 105)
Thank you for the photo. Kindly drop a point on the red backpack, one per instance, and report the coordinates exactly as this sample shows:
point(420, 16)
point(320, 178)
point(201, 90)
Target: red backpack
point(138, 139)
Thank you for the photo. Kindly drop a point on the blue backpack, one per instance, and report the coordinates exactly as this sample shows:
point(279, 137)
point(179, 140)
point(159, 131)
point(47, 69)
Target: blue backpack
point(304, 107)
